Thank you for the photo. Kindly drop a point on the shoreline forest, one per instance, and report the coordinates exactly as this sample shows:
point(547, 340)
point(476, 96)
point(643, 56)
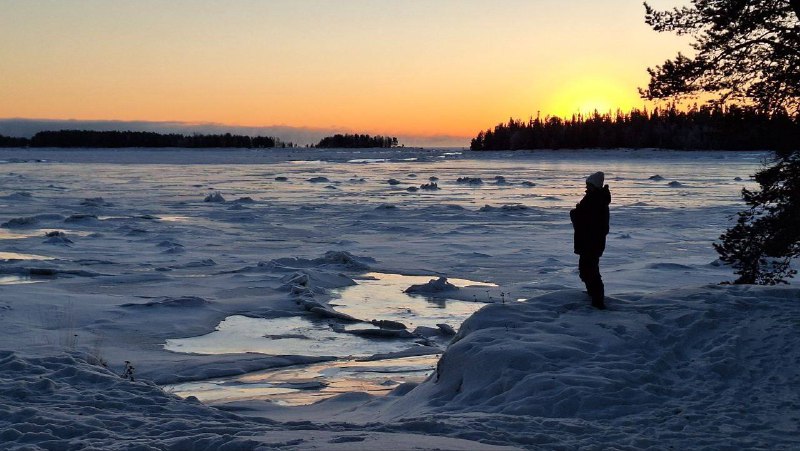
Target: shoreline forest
point(699, 128)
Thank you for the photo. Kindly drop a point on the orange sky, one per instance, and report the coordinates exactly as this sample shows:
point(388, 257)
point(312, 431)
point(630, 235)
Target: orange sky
point(412, 67)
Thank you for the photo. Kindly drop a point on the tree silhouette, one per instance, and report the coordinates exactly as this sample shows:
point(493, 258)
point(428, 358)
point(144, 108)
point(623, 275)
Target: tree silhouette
point(766, 237)
point(746, 51)
point(700, 128)
point(118, 139)
point(356, 141)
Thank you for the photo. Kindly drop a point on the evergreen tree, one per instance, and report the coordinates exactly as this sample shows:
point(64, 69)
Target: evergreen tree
point(746, 51)
point(766, 237)
point(700, 128)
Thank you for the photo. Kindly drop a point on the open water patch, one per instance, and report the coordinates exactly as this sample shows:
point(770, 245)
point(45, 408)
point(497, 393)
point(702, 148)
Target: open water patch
point(376, 298)
point(383, 296)
point(294, 335)
point(6, 234)
point(307, 384)
point(17, 279)
point(368, 362)
point(20, 256)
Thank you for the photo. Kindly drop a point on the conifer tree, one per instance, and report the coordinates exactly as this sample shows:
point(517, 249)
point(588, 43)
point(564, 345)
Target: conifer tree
point(766, 237)
point(746, 51)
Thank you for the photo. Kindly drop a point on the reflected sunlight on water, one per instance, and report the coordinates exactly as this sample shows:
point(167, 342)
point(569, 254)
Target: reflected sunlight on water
point(19, 256)
point(307, 384)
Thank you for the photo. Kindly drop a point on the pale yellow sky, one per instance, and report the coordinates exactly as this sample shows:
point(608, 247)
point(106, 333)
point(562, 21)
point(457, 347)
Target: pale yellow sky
point(400, 67)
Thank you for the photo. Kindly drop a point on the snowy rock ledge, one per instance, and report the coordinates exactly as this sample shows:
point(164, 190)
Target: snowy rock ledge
point(699, 368)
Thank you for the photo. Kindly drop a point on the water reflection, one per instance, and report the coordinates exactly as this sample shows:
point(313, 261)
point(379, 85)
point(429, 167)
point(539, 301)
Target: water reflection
point(6, 234)
point(381, 296)
point(307, 384)
point(19, 256)
point(14, 279)
point(295, 335)
point(378, 296)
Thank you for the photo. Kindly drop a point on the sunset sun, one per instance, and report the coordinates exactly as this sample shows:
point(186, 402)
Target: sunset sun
point(585, 95)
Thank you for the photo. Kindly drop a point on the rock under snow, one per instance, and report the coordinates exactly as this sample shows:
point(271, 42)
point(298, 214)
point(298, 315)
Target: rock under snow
point(214, 197)
point(433, 286)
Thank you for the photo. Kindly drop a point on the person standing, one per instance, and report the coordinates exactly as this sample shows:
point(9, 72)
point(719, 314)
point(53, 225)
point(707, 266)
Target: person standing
point(590, 219)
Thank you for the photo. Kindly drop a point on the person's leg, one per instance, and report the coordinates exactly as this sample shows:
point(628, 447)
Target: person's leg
point(589, 269)
point(583, 268)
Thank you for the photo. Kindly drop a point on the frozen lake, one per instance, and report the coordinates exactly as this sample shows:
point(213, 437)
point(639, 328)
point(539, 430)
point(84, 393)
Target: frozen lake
point(145, 236)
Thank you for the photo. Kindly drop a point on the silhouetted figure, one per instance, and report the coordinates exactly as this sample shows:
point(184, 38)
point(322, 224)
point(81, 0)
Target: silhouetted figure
point(590, 221)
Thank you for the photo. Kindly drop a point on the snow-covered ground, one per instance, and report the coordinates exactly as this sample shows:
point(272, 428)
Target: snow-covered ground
point(251, 279)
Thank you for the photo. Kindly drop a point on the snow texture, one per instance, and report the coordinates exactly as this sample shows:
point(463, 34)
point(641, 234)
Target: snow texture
point(108, 255)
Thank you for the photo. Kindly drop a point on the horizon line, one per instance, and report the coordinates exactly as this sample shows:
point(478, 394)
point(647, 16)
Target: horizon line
point(27, 127)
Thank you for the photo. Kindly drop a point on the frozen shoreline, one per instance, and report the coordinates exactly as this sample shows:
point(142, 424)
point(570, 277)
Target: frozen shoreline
point(144, 259)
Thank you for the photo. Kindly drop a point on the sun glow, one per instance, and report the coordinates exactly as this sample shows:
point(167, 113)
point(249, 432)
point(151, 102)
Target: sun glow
point(586, 95)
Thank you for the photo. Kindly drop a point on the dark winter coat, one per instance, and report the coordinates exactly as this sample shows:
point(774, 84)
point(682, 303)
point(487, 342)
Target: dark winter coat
point(590, 221)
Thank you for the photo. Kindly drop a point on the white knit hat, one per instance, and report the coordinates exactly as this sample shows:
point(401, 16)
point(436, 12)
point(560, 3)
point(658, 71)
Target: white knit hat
point(596, 179)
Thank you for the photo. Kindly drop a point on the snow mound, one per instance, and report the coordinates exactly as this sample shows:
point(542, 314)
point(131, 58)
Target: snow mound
point(343, 258)
point(214, 197)
point(18, 196)
point(504, 208)
point(169, 243)
point(57, 237)
point(197, 264)
point(179, 302)
point(80, 217)
point(655, 178)
point(669, 266)
point(95, 202)
point(29, 221)
point(73, 402)
point(432, 286)
point(697, 367)
point(312, 278)
point(340, 259)
point(69, 403)
point(469, 181)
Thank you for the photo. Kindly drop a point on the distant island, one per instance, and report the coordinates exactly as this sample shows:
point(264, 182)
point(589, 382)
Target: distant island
point(355, 141)
point(119, 139)
point(704, 128)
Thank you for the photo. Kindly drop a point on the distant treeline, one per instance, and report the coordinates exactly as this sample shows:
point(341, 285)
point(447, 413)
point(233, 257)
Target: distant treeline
point(7, 141)
point(705, 128)
point(356, 141)
point(116, 139)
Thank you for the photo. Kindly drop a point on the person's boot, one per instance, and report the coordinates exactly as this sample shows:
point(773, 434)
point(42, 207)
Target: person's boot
point(598, 298)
